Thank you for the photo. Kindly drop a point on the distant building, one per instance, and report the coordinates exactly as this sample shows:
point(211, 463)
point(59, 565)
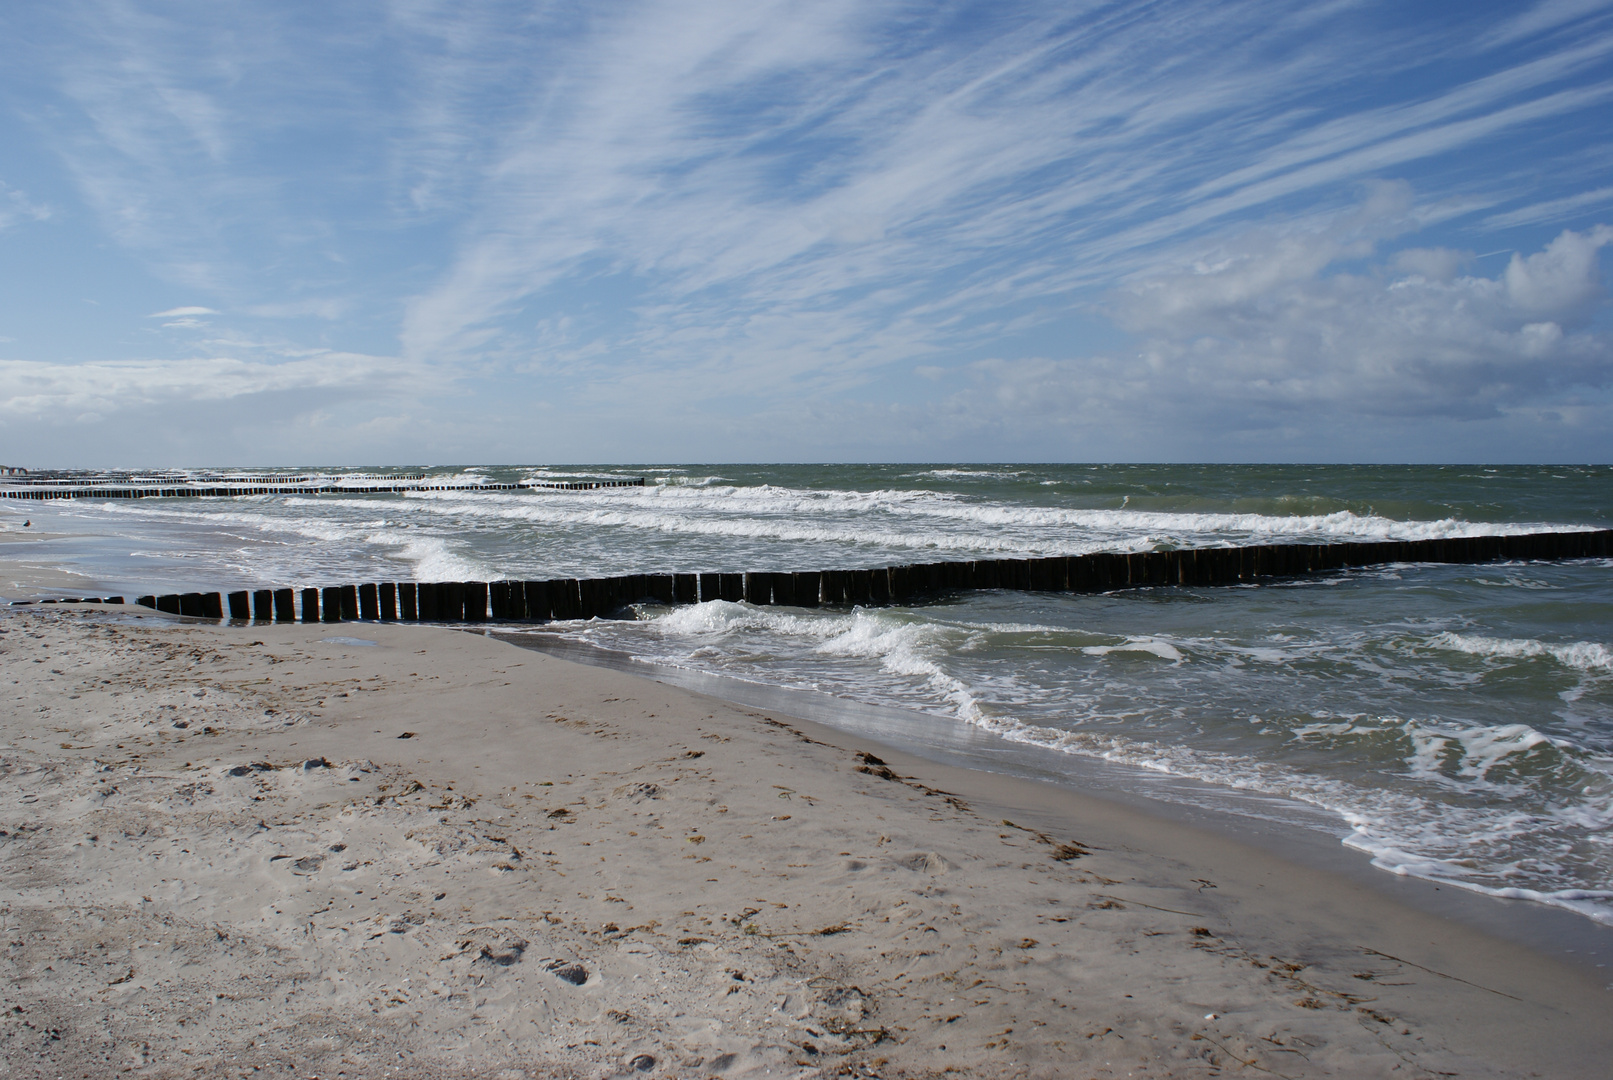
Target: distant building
point(13, 470)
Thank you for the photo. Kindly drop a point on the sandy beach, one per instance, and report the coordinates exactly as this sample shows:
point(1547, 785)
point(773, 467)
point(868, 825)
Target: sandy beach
point(280, 851)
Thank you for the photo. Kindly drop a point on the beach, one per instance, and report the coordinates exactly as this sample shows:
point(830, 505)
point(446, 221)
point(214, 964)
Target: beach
point(377, 850)
point(1453, 723)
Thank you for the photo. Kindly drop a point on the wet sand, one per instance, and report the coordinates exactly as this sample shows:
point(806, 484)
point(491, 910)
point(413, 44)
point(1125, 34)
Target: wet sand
point(260, 851)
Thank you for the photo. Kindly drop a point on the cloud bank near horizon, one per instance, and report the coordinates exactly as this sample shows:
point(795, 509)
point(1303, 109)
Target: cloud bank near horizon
point(485, 231)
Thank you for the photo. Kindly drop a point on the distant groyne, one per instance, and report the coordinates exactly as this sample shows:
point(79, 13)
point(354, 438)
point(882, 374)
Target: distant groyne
point(48, 490)
point(558, 599)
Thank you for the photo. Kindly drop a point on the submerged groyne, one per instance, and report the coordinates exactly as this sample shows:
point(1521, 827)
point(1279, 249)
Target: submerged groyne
point(559, 599)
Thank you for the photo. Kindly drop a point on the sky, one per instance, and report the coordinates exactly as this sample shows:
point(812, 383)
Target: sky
point(377, 232)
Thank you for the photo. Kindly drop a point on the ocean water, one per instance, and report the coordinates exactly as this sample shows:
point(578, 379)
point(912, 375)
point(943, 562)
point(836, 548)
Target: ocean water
point(1455, 721)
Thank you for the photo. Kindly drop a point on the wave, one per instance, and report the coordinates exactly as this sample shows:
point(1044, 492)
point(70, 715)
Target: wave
point(916, 522)
point(1580, 655)
point(1455, 802)
point(1153, 646)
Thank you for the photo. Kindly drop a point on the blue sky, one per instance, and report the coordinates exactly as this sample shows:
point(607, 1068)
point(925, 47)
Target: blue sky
point(473, 232)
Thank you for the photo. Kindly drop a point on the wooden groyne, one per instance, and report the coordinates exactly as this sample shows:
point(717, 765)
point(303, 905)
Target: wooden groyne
point(196, 492)
point(560, 599)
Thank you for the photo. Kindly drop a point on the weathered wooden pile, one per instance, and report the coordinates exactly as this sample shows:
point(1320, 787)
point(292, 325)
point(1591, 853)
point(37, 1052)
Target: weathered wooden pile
point(573, 598)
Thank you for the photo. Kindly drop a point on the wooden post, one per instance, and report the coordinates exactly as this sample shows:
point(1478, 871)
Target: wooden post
point(784, 590)
point(310, 605)
point(475, 601)
point(987, 574)
point(543, 600)
point(1038, 577)
point(408, 602)
point(572, 595)
point(588, 601)
point(285, 606)
point(349, 603)
point(807, 584)
point(832, 586)
point(565, 598)
point(685, 588)
point(1061, 573)
point(263, 605)
point(710, 587)
point(451, 601)
point(369, 603)
point(240, 605)
point(386, 598)
point(660, 587)
point(859, 587)
point(537, 601)
point(879, 586)
point(758, 588)
point(427, 593)
point(498, 600)
point(1016, 574)
point(1081, 575)
point(901, 583)
point(732, 587)
point(330, 603)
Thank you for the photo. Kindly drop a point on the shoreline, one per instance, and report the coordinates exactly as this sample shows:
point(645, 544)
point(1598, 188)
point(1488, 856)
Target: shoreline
point(1550, 928)
point(442, 855)
point(1295, 831)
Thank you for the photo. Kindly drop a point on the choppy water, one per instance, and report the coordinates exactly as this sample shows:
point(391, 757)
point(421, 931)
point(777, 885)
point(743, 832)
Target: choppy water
point(1458, 720)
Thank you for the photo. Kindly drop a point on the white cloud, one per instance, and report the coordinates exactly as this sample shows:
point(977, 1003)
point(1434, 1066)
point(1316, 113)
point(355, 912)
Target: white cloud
point(967, 176)
point(31, 388)
point(777, 205)
point(1546, 16)
point(1435, 264)
point(16, 207)
point(1550, 210)
point(1267, 322)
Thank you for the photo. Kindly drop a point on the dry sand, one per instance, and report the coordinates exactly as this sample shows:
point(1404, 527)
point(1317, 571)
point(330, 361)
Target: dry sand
point(257, 851)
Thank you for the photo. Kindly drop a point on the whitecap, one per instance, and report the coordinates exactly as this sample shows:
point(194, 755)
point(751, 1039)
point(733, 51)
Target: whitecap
point(1162, 649)
point(1581, 655)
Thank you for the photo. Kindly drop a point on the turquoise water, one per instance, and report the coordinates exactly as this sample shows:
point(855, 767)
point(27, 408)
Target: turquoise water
point(1457, 721)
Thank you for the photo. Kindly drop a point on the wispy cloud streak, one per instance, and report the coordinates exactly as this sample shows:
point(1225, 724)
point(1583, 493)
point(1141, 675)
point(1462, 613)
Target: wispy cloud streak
point(763, 201)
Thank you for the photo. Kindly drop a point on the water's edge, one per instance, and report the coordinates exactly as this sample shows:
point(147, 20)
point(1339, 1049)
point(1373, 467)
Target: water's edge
point(1293, 831)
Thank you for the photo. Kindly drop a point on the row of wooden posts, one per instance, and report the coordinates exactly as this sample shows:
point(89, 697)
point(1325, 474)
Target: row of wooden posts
point(573, 598)
point(281, 489)
point(104, 480)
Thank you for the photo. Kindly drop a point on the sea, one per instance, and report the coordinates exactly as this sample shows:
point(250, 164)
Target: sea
point(1453, 723)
